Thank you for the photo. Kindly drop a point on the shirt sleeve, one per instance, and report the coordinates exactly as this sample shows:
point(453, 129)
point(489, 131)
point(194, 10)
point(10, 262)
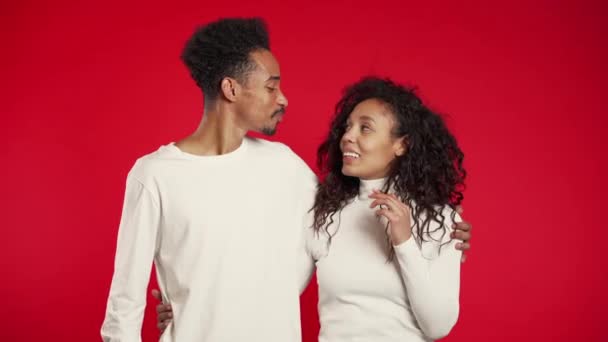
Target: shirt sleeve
point(135, 250)
point(307, 188)
point(431, 274)
point(306, 261)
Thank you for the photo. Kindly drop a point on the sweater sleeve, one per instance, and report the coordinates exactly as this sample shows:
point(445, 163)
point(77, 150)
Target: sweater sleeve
point(135, 250)
point(431, 274)
point(306, 267)
point(306, 260)
point(305, 182)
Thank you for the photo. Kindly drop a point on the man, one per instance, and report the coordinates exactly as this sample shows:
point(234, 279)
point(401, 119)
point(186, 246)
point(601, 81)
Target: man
point(220, 214)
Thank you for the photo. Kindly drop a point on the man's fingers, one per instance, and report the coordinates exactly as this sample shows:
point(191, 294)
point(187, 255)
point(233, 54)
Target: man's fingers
point(463, 246)
point(162, 326)
point(161, 308)
point(461, 235)
point(165, 317)
point(156, 294)
point(459, 209)
point(464, 226)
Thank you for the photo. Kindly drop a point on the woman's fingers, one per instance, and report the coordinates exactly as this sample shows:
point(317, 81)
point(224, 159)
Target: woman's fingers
point(391, 201)
point(390, 215)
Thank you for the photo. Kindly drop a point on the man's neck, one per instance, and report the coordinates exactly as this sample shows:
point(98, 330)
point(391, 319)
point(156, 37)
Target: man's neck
point(217, 134)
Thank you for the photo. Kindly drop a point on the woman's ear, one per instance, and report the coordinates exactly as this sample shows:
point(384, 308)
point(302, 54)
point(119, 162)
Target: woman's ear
point(400, 146)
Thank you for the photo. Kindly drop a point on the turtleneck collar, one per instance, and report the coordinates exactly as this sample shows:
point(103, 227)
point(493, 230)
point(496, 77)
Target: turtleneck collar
point(367, 185)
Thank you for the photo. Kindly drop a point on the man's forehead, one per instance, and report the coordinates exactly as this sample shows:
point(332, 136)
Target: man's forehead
point(267, 64)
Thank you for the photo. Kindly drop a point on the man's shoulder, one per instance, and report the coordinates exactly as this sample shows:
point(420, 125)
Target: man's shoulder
point(146, 166)
point(277, 151)
point(276, 147)
point(289, 160)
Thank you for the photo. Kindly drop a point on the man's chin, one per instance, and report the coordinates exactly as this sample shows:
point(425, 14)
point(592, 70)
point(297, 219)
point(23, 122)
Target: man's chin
point(269, 131)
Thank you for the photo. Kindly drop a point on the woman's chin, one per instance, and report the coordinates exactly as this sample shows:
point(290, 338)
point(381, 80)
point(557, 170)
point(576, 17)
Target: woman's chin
point(347, 171)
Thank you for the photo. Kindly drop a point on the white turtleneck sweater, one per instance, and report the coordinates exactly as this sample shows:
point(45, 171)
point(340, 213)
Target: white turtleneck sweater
point(362, 297)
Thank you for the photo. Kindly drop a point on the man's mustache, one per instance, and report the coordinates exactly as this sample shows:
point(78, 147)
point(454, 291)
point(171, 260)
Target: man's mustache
point(278, 111)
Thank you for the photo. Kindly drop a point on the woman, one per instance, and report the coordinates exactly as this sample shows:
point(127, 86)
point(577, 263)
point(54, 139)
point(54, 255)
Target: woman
point(395, 278)
point(381, 235)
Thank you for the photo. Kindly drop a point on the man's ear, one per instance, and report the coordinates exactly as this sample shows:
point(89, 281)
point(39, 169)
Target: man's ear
point(229, 88)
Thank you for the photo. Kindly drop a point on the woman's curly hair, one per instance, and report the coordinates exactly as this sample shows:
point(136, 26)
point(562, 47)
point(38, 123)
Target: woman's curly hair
point(428, 177)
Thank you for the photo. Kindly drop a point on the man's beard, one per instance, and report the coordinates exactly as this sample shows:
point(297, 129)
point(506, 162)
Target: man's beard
point(272, 130)
point(269, 130)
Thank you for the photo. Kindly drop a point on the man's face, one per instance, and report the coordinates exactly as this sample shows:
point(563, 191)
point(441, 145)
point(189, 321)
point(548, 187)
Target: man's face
point(262, 103)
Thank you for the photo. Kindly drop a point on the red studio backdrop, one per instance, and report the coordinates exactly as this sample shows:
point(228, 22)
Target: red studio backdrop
point(87, 87)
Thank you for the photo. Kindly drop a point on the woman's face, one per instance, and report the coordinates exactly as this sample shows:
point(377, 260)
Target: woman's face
point(368, 145)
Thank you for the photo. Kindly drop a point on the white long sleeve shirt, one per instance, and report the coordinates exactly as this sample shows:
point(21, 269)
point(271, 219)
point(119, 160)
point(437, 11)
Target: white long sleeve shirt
point(362, 297)
point(224, 233)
